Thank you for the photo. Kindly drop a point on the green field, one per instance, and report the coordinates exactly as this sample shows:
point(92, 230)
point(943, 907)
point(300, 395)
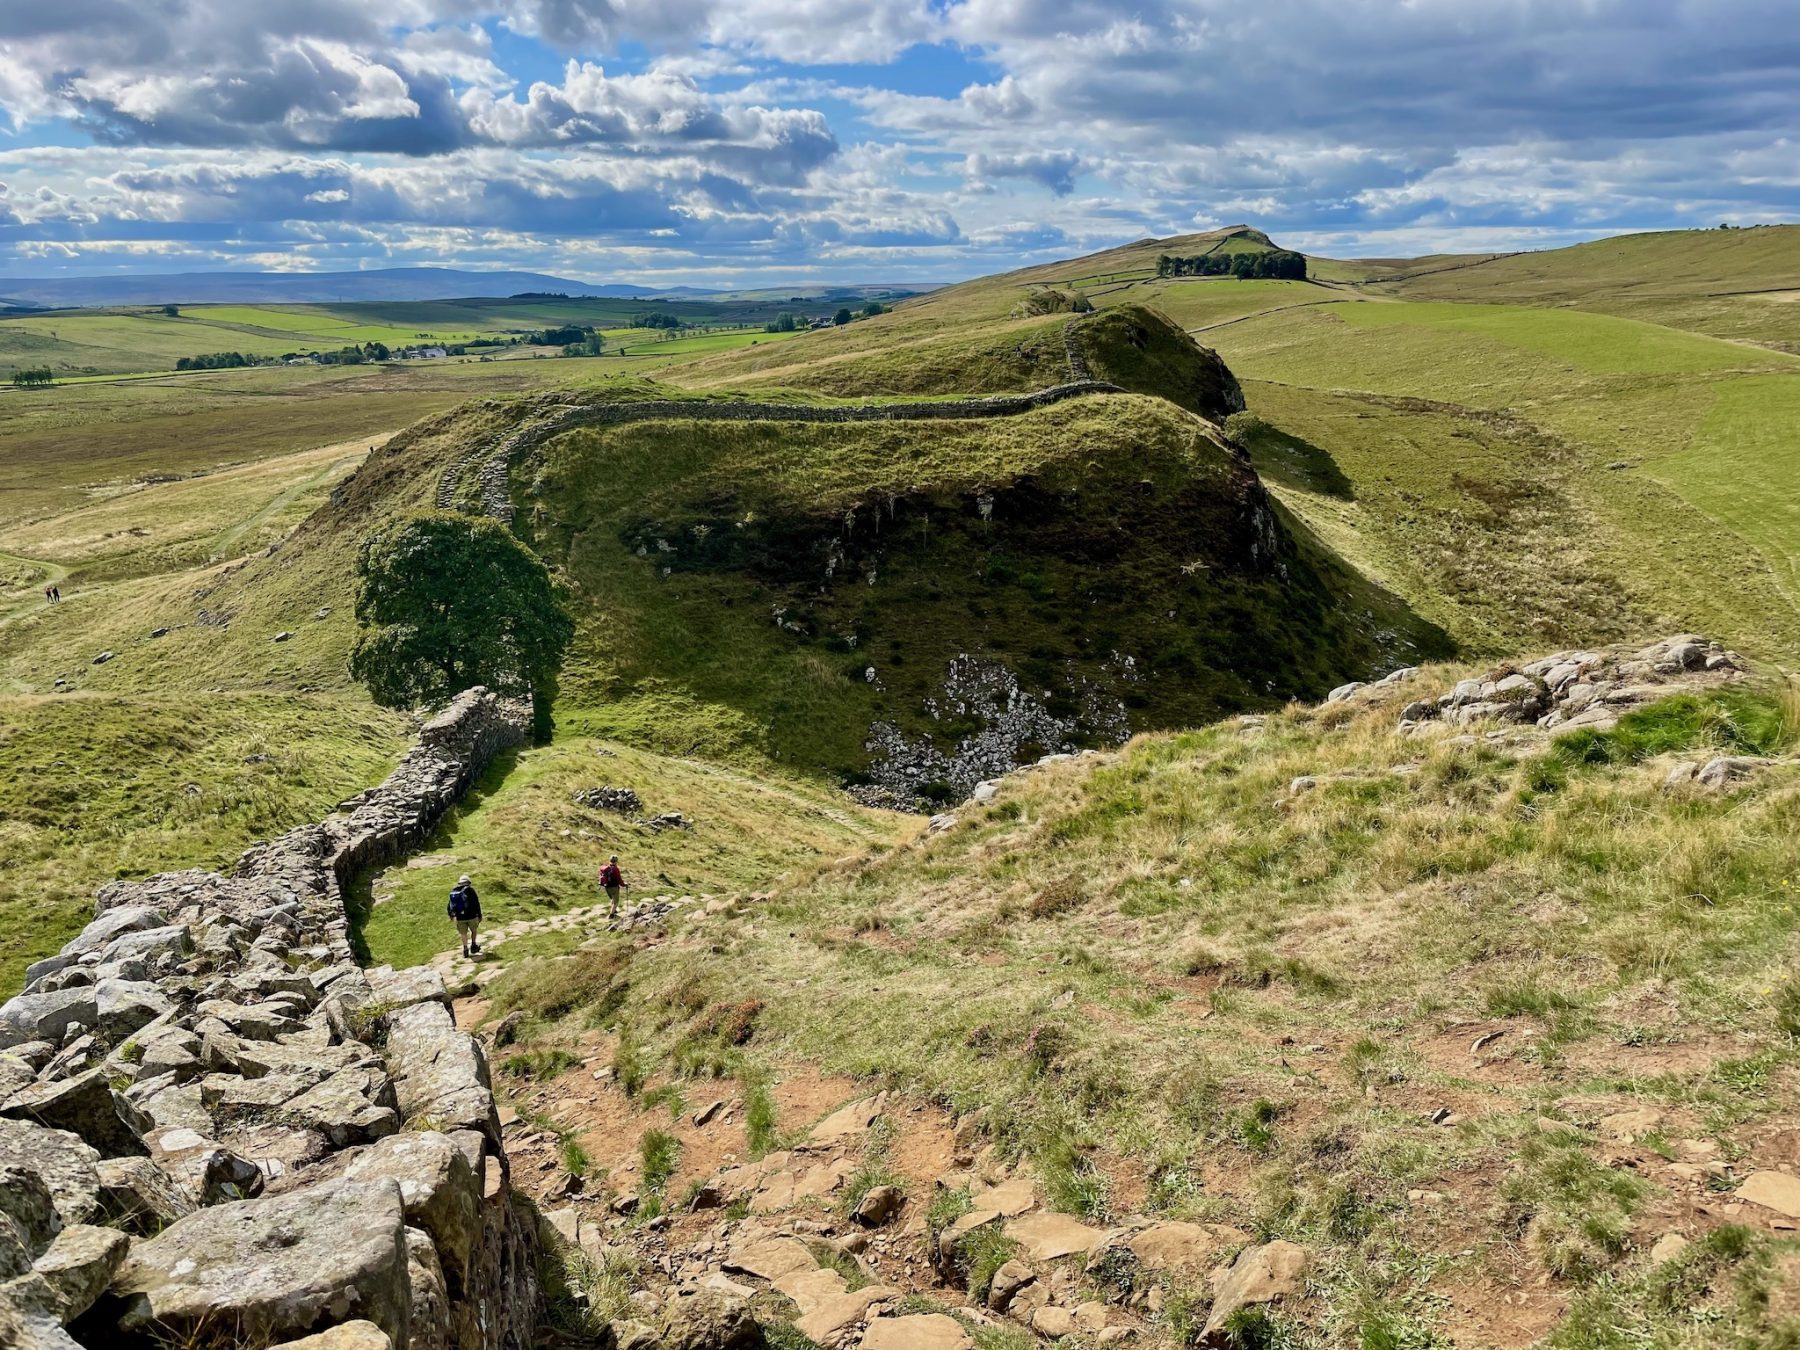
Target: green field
point(1227, 971)
point(86, 343)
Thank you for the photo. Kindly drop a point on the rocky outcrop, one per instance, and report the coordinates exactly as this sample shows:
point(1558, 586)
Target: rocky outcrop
point(1573, 689)
point(216, 1129)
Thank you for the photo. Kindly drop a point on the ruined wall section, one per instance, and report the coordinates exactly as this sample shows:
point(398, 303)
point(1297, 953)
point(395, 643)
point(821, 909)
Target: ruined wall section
point(221, 1130)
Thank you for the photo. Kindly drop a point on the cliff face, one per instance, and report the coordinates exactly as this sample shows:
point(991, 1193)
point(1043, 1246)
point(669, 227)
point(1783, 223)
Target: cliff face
point(234, 1134)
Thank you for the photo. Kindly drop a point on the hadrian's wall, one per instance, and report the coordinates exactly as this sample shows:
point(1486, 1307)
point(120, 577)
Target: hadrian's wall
point(215, 1129)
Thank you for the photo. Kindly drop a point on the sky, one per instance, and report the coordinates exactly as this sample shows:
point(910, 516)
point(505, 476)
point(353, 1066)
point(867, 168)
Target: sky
point(745, 142)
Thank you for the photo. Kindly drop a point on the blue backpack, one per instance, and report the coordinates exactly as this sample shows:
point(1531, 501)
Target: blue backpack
point(462, 902)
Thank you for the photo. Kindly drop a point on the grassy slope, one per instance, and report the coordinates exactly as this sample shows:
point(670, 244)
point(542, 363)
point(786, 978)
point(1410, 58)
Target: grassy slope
point(533, 851)
point(1621, 426)
point(1182, 991)
point(105, 786)
point(1727, 283)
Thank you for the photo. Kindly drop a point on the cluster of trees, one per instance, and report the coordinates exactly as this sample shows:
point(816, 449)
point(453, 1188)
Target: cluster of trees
point(222, 361)
point(31, 379)
point(785, 322)
point(354, 355)
point(657, 318)
point(1276, 263)
point(574, 339)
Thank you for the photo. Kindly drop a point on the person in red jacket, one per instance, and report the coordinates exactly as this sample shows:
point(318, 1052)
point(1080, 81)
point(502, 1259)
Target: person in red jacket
point(612, 881)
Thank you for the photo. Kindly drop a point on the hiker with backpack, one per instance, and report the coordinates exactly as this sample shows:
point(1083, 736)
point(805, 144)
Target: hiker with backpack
point(465, 909)
point(612, 881)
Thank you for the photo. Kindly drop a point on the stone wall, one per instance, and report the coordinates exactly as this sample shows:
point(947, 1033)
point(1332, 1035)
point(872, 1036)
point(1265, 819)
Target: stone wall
point(217, 1130)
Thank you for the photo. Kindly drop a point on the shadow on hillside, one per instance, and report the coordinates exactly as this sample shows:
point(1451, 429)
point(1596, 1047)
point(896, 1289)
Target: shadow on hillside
point(1405, 636)
point(1289, 460)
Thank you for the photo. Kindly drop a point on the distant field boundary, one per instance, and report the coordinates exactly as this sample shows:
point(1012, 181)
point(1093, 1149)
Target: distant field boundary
point(493, 463)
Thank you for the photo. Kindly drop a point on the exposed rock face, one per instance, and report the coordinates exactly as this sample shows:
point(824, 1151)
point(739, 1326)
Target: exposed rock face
point(234, 1092)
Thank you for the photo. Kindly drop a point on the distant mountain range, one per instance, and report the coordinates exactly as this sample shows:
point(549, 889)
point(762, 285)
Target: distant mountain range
point(397, 283)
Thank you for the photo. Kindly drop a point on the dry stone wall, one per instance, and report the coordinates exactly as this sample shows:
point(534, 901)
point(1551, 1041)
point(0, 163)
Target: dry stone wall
point(217, 1130)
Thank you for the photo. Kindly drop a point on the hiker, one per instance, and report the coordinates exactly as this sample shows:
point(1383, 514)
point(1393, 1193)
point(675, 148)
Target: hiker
point(55, 595)
point(612, 880)
point(465, 908)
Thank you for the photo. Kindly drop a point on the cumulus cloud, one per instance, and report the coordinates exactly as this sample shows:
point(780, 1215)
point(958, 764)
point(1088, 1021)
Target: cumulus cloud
point(910, 135)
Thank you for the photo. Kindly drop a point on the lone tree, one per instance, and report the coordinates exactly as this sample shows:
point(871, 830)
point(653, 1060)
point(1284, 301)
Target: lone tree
point(842, 317)
point(448, 602)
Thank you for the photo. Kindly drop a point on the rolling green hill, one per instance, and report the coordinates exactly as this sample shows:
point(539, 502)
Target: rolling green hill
point(1740, 284)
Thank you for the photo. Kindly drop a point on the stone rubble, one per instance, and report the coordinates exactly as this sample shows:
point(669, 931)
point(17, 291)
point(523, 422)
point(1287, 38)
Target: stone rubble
point(786, 1244)
point(209, 1116)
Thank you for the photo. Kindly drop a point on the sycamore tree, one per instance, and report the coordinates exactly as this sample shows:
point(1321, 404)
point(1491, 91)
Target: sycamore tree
point(448, 602)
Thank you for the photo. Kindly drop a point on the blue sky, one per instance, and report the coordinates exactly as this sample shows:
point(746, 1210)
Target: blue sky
point(727, 142)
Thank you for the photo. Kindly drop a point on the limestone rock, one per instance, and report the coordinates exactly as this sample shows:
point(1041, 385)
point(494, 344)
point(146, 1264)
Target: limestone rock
point(437, 1187)
point(59, 1159)
point(846, 1122)
point(139, 1197)
point(1048, 1236)
point(1779, 1191)
point(1053, 1322)
point(357, 1335)
point(84, 1105)
point(1265, 1274)
point(123, 1006)
point(1667, 1248)
point(396, 989)
point(428, 1322)
point(1184, 1246)
point(29, 1212)
point(25, 1326)
point(710, 1321)
point(770, 1259)
point(273, 1268)
point(79, 1264)
point(879, 1205)
point(439, 1072)
point(1007, 1281)
point(46, 1016)
point(353, 1106)
point(830, 1318)
point(924, 1331)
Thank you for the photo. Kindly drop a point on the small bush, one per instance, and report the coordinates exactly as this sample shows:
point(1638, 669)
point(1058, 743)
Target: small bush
point(760, 1131)
point(1059, 897)
point(538, 1064)
point(574, 1157)
point(1256, 1126)
point(628, 1065)
point(660, 1153)
point(728, 1023)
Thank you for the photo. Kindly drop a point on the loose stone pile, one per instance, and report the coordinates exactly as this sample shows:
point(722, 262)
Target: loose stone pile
point(216, 1130)
point(703, 1280)
point(623, 800)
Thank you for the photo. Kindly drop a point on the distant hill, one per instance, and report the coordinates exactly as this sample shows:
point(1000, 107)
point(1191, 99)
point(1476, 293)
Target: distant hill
point(394, 283)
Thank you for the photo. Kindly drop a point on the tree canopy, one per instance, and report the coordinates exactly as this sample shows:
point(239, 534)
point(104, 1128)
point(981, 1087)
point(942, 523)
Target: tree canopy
point(448, 602)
